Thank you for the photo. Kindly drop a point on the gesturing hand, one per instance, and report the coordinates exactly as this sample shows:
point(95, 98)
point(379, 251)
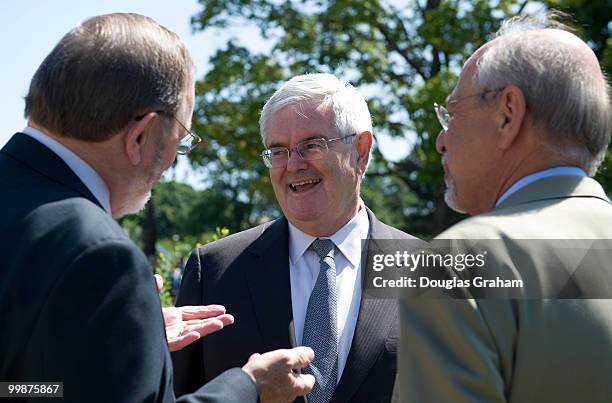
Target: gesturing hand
point(276, 374)
point(186, 324)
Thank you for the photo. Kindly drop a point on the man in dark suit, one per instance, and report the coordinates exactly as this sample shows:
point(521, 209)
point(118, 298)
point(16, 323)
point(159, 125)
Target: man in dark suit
point(528, 122)
point(77, 298)
point(274, 279)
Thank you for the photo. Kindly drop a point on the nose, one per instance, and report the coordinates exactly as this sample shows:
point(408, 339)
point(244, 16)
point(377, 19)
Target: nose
point(440, 148)
point(295, 161)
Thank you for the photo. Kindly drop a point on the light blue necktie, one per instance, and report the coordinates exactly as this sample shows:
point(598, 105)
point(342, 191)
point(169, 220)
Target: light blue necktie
point(320, 332)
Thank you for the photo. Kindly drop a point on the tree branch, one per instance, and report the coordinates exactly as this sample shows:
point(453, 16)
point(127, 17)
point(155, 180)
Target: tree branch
point(402, 52)
point(522, 7)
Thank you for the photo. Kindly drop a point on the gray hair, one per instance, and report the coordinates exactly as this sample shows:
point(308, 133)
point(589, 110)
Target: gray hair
point(561, 95)
point(107, 71)
point(351, 112)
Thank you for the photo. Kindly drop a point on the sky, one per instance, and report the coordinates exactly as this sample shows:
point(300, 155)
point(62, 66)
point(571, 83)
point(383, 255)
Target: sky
point(30, 29)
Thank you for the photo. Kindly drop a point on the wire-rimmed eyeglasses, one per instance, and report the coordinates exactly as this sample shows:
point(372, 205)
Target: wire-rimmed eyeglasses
point(188, 142)
point(442, 110)
point(309, 150)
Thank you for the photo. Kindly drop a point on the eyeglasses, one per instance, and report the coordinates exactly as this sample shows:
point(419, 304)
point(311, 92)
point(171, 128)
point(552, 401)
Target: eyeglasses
point(308, 150)
point(188, 142)
point(442, 110)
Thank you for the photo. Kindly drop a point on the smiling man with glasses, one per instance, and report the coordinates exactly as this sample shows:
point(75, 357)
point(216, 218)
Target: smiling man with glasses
point(299, 279)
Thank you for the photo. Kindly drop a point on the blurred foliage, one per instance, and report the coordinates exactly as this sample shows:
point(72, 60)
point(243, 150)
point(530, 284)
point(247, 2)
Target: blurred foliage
point(185, 219)
point(185, 212)
point(403, 55)
point(173, 255)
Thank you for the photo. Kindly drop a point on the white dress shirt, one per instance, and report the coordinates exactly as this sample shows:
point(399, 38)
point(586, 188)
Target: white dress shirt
point(526, 180)
point(304, 269)
point(83, 170)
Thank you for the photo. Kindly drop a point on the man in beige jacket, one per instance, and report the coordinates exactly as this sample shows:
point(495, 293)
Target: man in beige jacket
point(527, 124)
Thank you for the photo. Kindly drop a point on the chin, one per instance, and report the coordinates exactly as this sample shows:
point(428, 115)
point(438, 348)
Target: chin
point(450, 198)
point(133, 205)
point(303, 209)
point(309, 218)
point(302, 217)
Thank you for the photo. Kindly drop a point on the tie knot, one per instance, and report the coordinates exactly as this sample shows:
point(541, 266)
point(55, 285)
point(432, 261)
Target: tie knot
point(323, 248)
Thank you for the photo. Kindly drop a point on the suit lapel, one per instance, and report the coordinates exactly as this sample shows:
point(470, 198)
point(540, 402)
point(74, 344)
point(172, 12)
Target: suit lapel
point(268, 282)
point(39, 158)
point(373, 326)
point(374, 323)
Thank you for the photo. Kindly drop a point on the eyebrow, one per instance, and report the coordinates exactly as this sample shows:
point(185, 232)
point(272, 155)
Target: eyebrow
point(313, 137)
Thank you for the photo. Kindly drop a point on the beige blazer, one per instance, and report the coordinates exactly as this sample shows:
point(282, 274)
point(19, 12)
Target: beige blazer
point(525, 349)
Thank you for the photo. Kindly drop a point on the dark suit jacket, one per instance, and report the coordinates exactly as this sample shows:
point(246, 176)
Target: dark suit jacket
point(78, 303)
point(248, 273)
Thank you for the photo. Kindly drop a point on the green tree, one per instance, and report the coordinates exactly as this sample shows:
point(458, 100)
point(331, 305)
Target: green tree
point(402, 55)
point(173, 255)
point(182, 212)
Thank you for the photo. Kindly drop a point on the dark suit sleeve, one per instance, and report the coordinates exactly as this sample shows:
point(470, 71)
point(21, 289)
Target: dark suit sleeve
point(188, 363)
point(232, 386)
point(105, 334)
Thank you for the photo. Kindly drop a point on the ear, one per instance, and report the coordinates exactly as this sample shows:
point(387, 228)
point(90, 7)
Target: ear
point(136, 136)
point(364, 145)
point(512, 109)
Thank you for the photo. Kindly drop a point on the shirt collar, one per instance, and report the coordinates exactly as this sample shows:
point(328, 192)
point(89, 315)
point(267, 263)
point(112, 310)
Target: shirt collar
point(347, 239)
point(526, 180)
point(83, 170)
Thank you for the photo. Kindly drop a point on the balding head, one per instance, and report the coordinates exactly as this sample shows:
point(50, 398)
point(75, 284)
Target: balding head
point(566, 94)
point(107, 71)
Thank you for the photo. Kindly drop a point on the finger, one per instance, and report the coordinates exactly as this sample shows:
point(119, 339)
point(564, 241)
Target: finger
point(204, 327)
point(171, 315)
point(303, 383)
point(180, 342)
point(159, 282)
point(254, 356)
point(299, 357)
point(201, 311)
point(226, 319)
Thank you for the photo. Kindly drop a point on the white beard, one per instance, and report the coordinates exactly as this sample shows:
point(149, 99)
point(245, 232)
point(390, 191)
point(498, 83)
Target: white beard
point(449, 199)
point(450, 195)
point(134, 205)
point(140, 192)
